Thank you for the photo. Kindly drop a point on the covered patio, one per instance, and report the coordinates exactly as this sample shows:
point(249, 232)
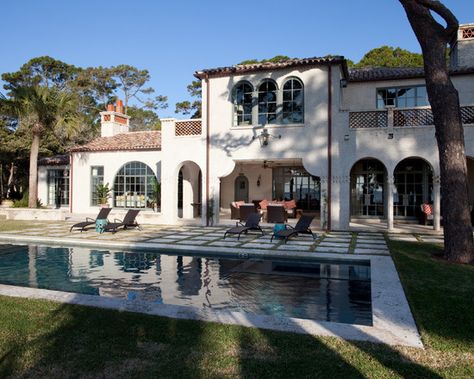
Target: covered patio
point(265, 183)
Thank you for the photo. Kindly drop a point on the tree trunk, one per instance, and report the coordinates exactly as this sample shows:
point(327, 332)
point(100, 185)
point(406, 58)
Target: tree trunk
point(1, 182)
point(11, 180)
point(444, 100)
point(33, 176)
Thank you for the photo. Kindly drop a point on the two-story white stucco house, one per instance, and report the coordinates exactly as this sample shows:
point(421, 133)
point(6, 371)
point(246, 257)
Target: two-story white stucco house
point(343, 143)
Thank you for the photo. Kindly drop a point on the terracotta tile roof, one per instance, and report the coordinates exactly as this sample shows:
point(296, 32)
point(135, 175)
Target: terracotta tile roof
point(388, 73)
point(56, 160)
point(148, 140)
point(244, 68)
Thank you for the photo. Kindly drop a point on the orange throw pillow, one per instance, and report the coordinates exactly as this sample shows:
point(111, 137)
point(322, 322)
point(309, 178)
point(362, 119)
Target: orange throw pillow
point(239, 203)
point(263, 204)
point(290, 204)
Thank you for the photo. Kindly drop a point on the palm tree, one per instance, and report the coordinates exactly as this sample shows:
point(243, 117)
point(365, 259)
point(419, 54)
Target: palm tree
point(41, 109)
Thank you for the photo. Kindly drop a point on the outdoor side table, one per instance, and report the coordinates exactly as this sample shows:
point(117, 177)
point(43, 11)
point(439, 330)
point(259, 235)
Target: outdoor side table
point(277, 228)
point(100, 224)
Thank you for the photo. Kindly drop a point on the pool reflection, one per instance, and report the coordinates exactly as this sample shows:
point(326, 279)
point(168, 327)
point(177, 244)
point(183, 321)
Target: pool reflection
point(325, 290)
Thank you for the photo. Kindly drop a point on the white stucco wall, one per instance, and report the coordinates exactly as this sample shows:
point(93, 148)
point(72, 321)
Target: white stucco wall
point(112, 162)
point(235, 146)
point(178, 152)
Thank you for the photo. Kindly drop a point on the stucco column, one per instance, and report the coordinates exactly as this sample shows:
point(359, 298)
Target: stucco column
point(436, 203)
point(390, 181)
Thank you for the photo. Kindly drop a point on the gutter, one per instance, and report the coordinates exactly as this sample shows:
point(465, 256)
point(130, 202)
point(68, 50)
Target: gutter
point(328, 227)
point(70, 181)
point(207, 148)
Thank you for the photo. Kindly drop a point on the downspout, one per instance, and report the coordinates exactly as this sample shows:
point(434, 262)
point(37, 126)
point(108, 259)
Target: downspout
point(207, 150)
point(70, 182)
point(328, 227)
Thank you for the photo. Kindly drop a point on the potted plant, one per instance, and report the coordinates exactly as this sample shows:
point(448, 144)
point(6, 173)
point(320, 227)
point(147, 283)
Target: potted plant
point(103, 194)
point(156, 194)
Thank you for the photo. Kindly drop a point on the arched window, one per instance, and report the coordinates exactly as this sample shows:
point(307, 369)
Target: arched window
point(293, 102)
point(267, 103)
point(133, 186)
point(242, 99)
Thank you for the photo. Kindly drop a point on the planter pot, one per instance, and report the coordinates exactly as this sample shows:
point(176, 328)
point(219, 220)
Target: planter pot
point(7, 204)
point(106, 205)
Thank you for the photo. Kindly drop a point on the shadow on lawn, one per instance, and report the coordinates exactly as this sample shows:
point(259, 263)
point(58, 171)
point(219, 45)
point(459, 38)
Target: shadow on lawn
point(56, 340)
point(83, 341)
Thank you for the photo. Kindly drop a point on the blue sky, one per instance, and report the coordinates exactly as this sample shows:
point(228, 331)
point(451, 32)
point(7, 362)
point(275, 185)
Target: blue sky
point(172, 39)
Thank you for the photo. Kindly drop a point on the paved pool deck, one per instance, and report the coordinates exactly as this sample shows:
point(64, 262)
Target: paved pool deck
point(393, 322)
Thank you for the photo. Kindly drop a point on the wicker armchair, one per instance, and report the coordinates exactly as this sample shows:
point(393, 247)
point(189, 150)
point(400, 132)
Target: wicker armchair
point(234, 212)
point(276, 214)
point(245, 210)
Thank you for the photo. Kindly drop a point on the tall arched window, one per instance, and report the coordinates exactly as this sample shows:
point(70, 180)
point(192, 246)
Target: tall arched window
point(133, 186)
point(242, 99)
point(267, 103)
point(293, 102)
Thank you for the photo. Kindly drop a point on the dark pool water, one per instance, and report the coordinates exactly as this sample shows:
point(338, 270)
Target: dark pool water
point(337, 291)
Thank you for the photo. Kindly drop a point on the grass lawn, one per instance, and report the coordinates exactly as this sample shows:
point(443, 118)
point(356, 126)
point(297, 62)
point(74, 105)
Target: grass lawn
point(8, 226)
point(45, 339)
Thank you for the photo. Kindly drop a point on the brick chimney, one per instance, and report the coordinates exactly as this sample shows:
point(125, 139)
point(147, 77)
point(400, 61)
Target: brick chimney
point(113, 121)
point(462, 52)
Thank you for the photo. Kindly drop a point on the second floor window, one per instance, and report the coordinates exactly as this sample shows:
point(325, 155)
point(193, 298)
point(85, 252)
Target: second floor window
point(267, 103)
point(242, 98)
point(293, 102)
point(402, 97)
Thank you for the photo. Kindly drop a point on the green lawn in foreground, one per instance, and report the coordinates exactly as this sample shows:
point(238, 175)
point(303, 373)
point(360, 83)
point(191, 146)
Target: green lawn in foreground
point(45, 339)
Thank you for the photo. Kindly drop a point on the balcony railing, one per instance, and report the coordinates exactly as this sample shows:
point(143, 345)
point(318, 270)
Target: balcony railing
point(188, 128)
point(402, 117)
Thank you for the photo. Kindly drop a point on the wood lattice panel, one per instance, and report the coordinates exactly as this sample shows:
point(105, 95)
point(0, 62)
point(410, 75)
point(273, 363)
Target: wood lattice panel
point(188, 128)
point(368, 119)
point(468, 33)
point(467, 115)
point(413, 117)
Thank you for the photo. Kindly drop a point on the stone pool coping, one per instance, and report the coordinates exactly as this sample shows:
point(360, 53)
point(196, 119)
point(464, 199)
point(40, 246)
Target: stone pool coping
point(393, 322)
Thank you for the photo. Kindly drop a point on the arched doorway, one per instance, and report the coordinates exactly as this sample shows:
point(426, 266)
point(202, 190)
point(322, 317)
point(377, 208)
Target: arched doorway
point(368, 181)
point(413, 186)
point(241, 188)
point(189, 190)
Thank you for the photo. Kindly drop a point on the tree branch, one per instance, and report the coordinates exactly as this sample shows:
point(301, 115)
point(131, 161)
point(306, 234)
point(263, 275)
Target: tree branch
point(452, 23)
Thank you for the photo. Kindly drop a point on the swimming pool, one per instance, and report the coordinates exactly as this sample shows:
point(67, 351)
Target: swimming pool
point(324, 290)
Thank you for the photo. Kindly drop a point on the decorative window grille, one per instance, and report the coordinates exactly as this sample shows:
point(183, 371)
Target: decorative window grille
point(468, 33)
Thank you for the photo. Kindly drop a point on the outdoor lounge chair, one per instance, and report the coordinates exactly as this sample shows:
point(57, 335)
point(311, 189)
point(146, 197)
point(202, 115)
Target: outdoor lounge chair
point(301, 227)
point(103, 214)
point(252, 223)
point(129, 221)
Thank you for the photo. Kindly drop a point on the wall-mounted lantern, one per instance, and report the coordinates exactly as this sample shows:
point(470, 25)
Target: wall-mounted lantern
point(259, 180)
point(264, 137)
